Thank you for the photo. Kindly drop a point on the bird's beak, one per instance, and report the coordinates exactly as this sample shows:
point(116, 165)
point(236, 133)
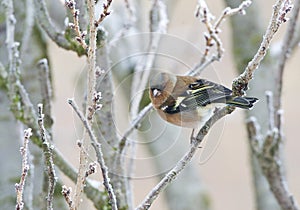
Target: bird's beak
point(156, 92)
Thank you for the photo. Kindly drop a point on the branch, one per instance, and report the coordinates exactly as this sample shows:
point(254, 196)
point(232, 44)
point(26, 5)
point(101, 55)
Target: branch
point(47, 25)
point(240, 84)
point(277, 19)
point(91, 84)
point(268, 150)
point(46, 91)
point(66, 192)
point(134, 125)
point(104, 13)
point(75, 25)
point(213, 29)
point(23, 110)
point(25, 168)
point(99, 154)
point(287, 47)
point(254, 133)
point(182, 163)
point(48, 153)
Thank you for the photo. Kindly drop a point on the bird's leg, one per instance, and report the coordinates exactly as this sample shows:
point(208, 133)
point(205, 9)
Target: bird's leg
point(216, 109)
point(192, 138)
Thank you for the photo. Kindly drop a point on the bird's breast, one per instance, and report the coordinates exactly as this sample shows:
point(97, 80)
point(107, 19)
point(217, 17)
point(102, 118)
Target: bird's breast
point(190, 118)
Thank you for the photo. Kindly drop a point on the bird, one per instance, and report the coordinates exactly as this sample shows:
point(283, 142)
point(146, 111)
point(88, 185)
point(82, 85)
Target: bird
point(188, 101)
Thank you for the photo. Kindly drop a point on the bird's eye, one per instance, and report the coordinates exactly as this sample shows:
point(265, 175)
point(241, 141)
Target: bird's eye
point(156, 92)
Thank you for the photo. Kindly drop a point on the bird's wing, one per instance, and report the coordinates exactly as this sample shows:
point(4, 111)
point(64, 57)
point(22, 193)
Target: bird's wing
point(199, 93)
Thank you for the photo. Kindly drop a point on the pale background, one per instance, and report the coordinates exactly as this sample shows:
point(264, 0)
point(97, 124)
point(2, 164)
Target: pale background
point(226, 174)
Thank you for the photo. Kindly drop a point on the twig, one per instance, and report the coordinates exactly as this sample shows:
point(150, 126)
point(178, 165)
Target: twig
point(240, 84)
point(174, 172)
point(227, 12)
point(91, 169)
point(104, 13)
point(134, 125)
point(270, 104)
point(47, 151)
point(99, 154)
point(285, 52)
point(71, 4)
point(30, 182)
point(91, 83)
point(46, 23)
point(254, 133)
point(66, 192)
point(46, 91)
point(213, 29)
point(25, 168)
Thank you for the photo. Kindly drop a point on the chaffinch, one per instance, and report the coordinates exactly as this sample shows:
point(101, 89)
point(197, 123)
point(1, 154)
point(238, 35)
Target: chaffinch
point(189, 101)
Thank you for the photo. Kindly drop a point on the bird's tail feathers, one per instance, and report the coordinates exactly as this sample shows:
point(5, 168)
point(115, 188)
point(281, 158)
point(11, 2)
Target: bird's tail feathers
point(241, 102)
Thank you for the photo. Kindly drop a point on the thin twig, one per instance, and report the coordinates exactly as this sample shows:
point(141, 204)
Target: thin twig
point(99, 154)
point(182, 163)
point(285, 53)
point(104, 13)
point(46, 92)
point(134, 125)
point(270, 104)
point(48, 153)
point(240, 84)
point(25, 168)
point(66, 192)
point(71, 4)
point(227, 12)
point(254, 133)
point(213, 29)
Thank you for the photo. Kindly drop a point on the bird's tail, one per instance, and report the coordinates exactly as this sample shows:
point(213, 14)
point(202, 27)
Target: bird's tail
point(241, 102)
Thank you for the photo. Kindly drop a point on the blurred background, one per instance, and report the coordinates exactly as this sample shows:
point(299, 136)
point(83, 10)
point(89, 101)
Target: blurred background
point(221, 168)
point(223, 163)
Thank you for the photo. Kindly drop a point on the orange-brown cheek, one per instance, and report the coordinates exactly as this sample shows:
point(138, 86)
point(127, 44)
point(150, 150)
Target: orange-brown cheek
point(158, 100)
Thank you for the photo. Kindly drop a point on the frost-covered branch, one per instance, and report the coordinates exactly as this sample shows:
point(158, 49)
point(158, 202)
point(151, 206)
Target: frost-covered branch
point(48, 155)
point(99, 154)
point(25, 168)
